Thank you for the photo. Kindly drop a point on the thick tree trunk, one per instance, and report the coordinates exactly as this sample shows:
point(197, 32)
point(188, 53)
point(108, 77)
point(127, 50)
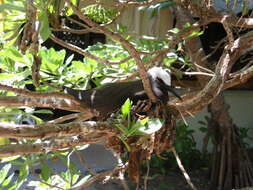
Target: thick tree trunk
point(231, 166)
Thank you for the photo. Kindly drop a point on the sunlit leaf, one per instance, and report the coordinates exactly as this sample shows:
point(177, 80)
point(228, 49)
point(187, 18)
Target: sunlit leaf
point(152, 126)
point(144, 121)
point(126, 108)
point(52, 60)
point(44, 111)
point(8, 159)
point(13, 54)
point(5, 6)
point(82, 181)
point(4, 171)
point(7, 180)
point(4, 141)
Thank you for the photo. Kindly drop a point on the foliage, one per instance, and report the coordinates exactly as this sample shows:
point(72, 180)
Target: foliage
point(46, 177)
point(185, 145)
point(242, 131)
point(100, 14)
point(245, 136)
point(130, 127)
point(83, 74)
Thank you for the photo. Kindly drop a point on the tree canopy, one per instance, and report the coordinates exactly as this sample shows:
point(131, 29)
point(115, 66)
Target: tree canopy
point(47, 45)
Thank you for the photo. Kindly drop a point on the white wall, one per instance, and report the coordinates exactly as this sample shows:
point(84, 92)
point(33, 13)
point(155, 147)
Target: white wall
point(241, 111)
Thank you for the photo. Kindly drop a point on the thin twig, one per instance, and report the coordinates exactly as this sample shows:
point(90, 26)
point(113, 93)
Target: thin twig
point(44, 182)
point(86, 53)
point(84, 163)
point(121, 173)
point(64, 118)
point(146, 177)
point(191, 73)
point(97, 177)
point(180, 165)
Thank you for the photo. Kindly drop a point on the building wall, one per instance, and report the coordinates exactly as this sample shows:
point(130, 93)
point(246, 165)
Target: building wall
point(241, 111)
point(147, 22)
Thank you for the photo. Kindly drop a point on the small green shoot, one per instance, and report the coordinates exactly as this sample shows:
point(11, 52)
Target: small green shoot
point(130, 127)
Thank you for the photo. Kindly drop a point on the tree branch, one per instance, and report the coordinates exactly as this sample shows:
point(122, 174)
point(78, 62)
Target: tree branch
point(193, 103)
point(51, 146)
point(46, 102)
point(46, 99)
point(127, 45)
point(99, 176)
point(43, 131)
point(241, 78)
point(28, 93)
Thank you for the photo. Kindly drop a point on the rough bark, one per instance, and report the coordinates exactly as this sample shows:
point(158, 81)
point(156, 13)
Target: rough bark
point(231, 166)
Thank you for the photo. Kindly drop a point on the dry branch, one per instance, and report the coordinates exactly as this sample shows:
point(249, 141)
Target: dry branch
point(47, 102)
point(204, 12)
point(98, 177)
point(70, 135)
point(28, 93)
point(55, 130)
point(196, 102)
point(241, 78)
point(50, 146)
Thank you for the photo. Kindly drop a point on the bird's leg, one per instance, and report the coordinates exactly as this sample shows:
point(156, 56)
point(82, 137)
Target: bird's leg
point(142, 106)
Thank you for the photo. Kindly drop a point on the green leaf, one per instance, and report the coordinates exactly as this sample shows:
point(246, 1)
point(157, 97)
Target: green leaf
point(122, 128)
point(174, 30)
point(7, 181)
point(4, 76)
point(52, 60)
point(195, 33)
point(45, 171)
point(44, 111)
point(4, 171)
point(23, 173)
point(126, 108)
point(202, 123)
point(82, 181)
point(203, 129)
point(45, 31)
point(134, 128)
point(144, 121)
point(4, 141)
point(152, 126)
point(5, 6)
point(13, 54)
point(8, 159)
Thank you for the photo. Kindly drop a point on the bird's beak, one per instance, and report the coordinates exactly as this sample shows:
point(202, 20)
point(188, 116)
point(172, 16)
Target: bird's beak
point(172, 90)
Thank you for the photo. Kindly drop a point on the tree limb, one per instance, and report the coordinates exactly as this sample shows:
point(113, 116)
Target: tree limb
point(81, 133)
point(193, 103)
point(46, 102)
point(43, 131)
point(28, 93)
point(127, 45)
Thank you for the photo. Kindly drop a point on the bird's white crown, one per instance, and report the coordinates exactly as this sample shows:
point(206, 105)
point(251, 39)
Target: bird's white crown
point(159, 72)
